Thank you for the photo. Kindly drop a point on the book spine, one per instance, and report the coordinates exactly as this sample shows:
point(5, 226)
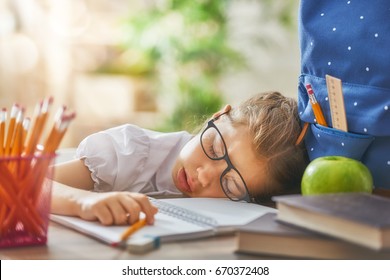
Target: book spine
point(183, 214)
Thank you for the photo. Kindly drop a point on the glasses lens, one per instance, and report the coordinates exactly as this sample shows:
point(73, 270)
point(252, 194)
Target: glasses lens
point(233, 185)
point(231, 181)
point(213, 144)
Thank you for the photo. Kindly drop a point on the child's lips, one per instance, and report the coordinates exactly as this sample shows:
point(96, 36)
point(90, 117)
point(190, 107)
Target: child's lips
point(183, 181)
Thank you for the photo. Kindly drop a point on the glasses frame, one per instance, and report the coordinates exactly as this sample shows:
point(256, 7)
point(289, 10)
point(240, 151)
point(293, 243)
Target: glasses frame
point(230, 166)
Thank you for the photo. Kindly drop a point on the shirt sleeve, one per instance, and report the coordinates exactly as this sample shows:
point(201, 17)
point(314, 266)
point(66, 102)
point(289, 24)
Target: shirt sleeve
point(115, 157)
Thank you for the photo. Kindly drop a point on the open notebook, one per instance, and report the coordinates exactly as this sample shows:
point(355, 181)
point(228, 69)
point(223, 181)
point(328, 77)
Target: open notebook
point(177, 219)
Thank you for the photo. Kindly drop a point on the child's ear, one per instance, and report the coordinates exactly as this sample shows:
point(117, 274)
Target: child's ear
point(225, 109)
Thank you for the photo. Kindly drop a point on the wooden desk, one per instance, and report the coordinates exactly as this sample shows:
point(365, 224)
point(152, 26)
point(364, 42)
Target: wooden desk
point(64, 243)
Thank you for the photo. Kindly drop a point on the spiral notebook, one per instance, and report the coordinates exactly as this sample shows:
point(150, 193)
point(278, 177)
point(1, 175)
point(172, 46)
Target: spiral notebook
point(177, 219)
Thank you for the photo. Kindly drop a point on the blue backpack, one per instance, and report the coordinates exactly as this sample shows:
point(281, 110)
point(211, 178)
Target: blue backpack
point(349, 40)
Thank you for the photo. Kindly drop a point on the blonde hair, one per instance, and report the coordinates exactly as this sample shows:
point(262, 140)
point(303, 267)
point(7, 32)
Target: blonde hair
point(274, 125)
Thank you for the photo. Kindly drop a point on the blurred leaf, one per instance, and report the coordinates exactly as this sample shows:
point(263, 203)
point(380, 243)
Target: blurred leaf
point(191, 39)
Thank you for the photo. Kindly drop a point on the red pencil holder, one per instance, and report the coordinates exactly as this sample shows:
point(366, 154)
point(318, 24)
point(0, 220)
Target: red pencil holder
point(25, 196)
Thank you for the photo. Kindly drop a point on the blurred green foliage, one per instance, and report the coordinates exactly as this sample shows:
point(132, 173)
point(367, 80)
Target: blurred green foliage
point(184, 47)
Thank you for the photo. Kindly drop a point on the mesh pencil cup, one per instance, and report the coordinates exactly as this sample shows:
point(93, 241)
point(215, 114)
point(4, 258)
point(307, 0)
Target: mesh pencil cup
point(25, 195)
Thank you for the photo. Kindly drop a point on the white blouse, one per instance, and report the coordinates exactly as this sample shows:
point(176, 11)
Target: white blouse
point(130, 158)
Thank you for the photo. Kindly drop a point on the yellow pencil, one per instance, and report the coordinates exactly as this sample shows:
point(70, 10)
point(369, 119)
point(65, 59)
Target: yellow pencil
point(58, 131)
point(302, 135)
point(16, 143)
point(133, 228)
point(316, 107)
point(11, 128)
point(26, 127)
point(21, 180)
point(41, 113)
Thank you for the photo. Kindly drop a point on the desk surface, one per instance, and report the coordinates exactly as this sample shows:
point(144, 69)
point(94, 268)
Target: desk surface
point(64, 243)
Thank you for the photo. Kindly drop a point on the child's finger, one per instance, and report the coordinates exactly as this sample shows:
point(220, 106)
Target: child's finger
point(146, 206)
point(104, 215)
point(118, 212)
point(136, 203)
point(130, 207)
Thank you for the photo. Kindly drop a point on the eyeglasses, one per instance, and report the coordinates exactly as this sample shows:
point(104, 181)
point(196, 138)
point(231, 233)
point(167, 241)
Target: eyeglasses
point(213, 145)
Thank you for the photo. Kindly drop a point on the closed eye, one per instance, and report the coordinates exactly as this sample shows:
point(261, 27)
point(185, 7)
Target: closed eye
point(211, 151)
point(232, 187)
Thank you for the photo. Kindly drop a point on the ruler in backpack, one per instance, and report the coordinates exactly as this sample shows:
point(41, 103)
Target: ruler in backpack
point(336, 102)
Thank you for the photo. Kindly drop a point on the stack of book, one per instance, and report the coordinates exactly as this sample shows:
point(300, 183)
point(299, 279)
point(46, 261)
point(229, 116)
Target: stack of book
point(333, 226)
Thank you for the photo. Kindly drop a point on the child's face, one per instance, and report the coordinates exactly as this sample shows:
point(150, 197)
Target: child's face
point(196, 175)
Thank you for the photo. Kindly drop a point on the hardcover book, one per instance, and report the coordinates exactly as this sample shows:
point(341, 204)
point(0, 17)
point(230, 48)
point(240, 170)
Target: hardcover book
point(360, 218)
point(267, 236)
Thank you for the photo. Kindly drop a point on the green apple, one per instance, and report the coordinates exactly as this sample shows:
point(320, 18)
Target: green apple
point(335, 174)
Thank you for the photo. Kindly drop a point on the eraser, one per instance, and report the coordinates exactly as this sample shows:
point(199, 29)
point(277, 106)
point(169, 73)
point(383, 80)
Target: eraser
point(143, 244)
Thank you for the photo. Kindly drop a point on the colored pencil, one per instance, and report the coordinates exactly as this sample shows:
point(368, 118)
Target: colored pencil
point(24, 166)
point(133, 228)
point(316, 106)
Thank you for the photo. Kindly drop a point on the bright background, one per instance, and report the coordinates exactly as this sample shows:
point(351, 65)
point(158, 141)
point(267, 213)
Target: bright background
point(161, 64)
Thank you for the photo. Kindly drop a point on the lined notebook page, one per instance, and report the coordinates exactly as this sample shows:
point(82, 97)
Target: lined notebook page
point(166, 227)
point(228, 214)
point(225, 215)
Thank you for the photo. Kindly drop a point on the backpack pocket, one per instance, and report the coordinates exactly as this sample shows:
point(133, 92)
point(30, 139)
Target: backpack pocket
point(324, 141)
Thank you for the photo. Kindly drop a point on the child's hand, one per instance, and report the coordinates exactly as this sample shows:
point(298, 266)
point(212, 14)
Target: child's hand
point(116, 208)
